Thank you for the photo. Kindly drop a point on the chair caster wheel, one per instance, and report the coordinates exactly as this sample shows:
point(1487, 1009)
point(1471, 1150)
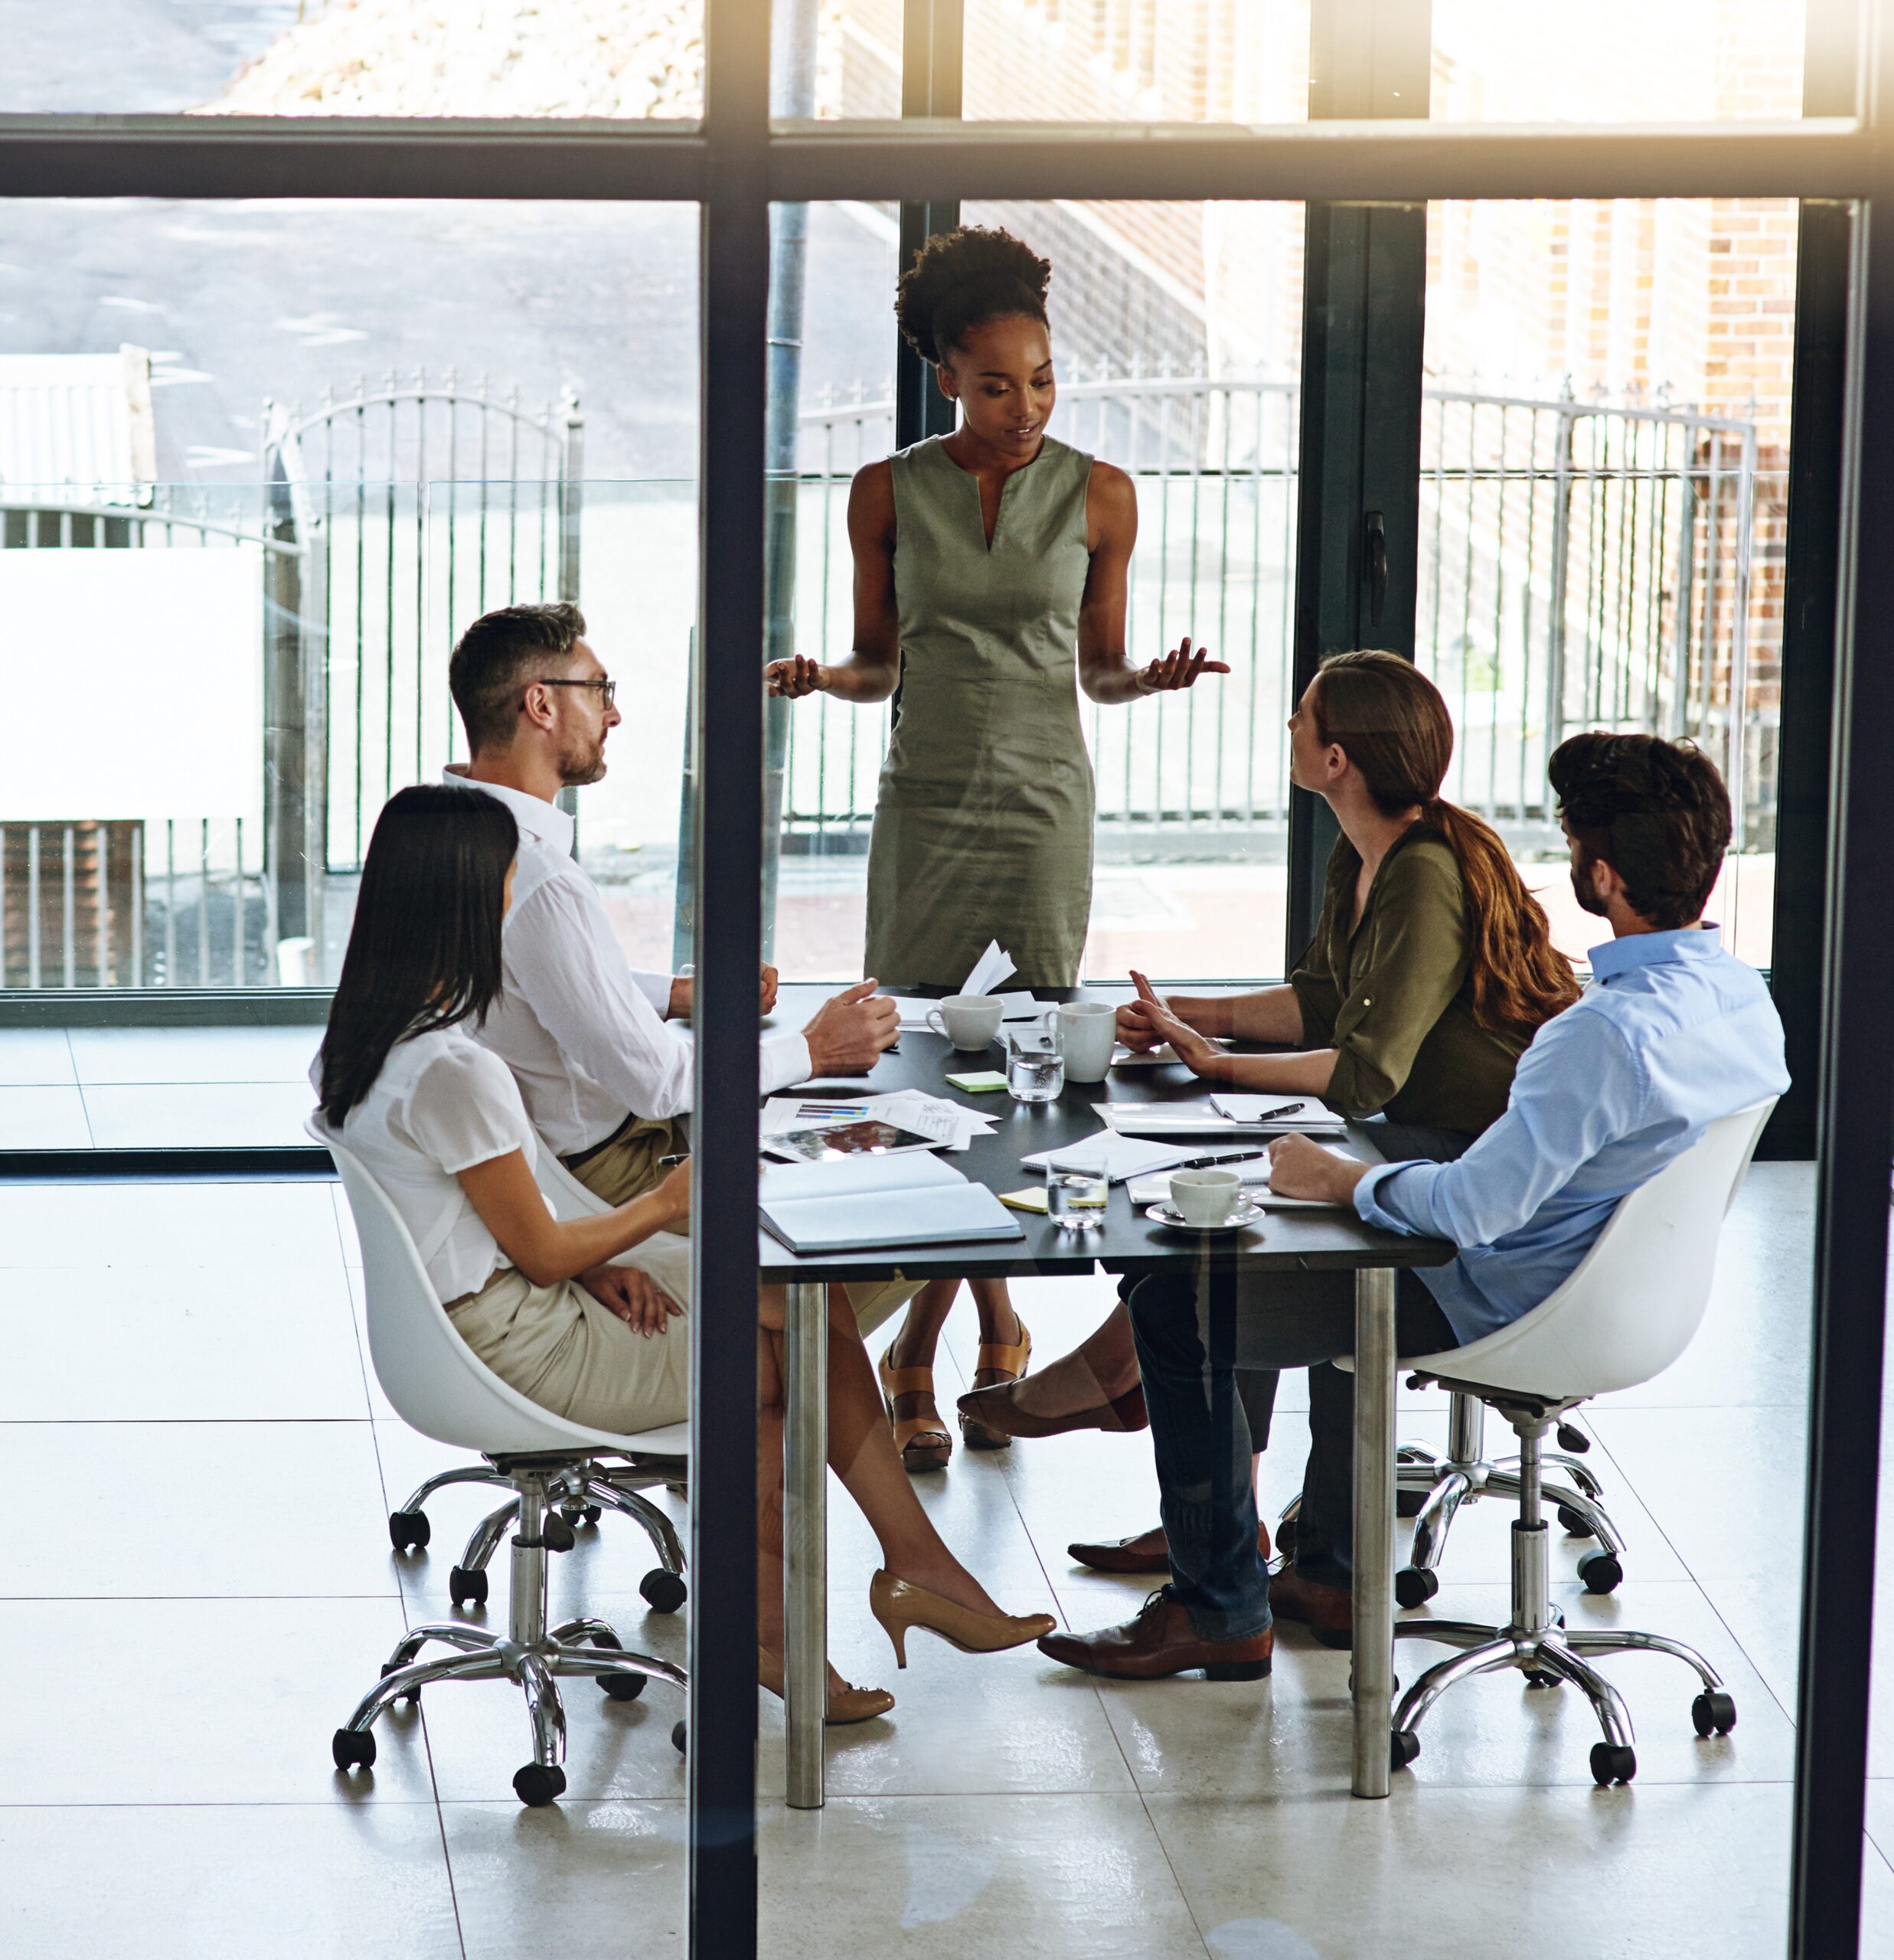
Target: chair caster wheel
point(409, 1530)
point(1571, 1437)
point(589, 1514)
point(354, 1748)
point(664, 1592)
point(1539, 1677)
point(465, 1588)
point(1403, 1746)
point(1601, 1572)
point(1571, 1523)
point(620, 1688)
point(539, 1783)
point(413, 1697)
point(555, 1534)
point(677, 1736)
point(1410, 1504)
point(576, 1514)
point(1611, 1763)
point(1713, 1712)
point(1415, 1585)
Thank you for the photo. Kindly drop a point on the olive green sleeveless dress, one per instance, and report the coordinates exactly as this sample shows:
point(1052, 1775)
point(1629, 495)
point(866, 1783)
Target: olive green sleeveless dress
point(983, 824)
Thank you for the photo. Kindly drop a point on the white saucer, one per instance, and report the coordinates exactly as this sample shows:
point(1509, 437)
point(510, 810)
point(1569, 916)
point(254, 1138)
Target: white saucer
point(1248, 1213)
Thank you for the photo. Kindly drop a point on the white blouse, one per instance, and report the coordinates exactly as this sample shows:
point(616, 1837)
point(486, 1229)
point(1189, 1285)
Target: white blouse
point(442, 1104)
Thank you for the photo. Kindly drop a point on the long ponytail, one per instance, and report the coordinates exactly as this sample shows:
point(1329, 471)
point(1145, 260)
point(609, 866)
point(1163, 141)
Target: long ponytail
point(1390, 721)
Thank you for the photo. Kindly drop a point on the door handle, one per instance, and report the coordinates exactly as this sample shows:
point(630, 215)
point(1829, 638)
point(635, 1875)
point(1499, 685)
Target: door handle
point(1375, 564)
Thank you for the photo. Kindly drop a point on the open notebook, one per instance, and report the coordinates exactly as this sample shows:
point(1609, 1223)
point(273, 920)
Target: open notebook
point(865, 1202)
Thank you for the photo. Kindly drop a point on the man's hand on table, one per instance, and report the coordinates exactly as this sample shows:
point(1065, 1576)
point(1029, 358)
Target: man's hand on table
point(683, 994)
point(1300, 1168)
point(850, 1032)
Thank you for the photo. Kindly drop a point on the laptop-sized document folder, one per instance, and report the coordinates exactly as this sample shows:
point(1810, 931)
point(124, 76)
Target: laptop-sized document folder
point(869, 1202)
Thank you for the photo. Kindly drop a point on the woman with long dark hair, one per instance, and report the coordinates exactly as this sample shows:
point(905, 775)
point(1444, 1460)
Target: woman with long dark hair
point(991, 580)
point(438, 1120)
point(1431, 969)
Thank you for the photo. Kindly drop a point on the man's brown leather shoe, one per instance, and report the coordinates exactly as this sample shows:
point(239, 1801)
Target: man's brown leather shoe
point(1327, 1611)
point(1145, 1551)
point(1158, 1642)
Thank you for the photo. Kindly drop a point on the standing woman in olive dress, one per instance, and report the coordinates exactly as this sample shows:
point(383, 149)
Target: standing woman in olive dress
point(991, 581)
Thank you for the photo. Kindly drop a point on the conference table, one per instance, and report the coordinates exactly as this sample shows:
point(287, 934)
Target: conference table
point(1311, 1240)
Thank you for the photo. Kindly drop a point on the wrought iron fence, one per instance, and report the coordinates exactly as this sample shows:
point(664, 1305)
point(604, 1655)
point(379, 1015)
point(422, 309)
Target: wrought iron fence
point(1582, 563)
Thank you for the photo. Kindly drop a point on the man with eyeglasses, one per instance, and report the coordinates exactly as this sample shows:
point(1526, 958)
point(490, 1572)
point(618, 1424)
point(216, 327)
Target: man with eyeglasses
point(592, 1043)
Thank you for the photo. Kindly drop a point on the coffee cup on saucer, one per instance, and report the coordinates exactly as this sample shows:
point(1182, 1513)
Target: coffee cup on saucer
point(968, 1020)
point(1205, 1198)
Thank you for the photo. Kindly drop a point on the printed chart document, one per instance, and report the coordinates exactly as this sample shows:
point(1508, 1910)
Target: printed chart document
point(869, 1202)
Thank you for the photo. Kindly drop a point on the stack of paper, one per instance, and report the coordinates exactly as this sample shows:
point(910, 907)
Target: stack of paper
point(1117, 1156)
point(1221, 1115)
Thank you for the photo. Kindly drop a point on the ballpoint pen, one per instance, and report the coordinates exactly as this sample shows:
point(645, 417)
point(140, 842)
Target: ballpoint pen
point(1215, 1163)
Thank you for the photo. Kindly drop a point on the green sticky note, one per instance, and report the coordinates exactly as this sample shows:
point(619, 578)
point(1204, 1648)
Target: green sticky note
point(980, 1083)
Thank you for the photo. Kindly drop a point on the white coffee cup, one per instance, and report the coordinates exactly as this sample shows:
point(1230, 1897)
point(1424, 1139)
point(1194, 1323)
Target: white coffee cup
point(1205, 1198)
point(968, 1020)
point(1087, 1032)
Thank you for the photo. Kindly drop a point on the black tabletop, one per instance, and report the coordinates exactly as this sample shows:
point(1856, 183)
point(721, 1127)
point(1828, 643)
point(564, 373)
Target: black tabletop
point(1128, 1242)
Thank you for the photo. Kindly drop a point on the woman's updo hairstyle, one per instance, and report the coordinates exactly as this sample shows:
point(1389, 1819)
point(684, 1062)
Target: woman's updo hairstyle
point(961, 279)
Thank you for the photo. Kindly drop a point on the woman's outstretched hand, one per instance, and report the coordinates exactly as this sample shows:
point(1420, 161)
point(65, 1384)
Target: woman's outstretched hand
point(1178, 668)
point(791, 679)
point(1157, 1023)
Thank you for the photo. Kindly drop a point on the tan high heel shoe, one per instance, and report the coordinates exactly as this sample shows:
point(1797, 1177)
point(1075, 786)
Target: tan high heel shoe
point(1008, 1360)
point(922, 1441)
point(898, 1605)
point(847, 1702)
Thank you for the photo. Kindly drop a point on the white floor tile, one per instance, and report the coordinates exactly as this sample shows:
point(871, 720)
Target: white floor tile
point(267, 1881)
point(195, 1054)
point(217, 1116)
point(35, 1055)
point(44, 1118)
point(181, 1344)
point(148, 1226)
point(196, 1510)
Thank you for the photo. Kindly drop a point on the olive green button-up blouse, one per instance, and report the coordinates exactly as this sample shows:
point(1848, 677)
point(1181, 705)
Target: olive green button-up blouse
point(1393, 995)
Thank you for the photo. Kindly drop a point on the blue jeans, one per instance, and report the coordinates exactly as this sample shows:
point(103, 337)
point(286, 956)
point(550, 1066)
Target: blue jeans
point(1194, 1355)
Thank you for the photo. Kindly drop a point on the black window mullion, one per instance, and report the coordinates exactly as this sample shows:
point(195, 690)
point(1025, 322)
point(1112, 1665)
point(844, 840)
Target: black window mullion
point(932, 42)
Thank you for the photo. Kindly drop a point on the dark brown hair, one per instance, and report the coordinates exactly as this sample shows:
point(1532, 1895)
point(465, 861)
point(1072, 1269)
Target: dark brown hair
point(1656, 812)
point(498, 655)
point(424, 950)
point(962, 279)
point(1390, 721)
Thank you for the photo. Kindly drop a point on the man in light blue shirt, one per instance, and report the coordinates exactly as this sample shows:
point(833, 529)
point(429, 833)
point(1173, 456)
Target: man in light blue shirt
point(1673, 1033)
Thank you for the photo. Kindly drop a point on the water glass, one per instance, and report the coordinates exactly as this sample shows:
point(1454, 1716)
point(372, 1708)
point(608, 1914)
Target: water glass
point(1035, 1069)
point(1075, 1200)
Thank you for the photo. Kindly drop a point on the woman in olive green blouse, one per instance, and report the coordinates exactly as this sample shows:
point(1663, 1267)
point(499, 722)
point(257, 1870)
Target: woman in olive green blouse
point(1431, 969)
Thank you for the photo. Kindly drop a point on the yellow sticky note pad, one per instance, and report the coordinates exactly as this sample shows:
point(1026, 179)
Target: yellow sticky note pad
point(981, 1083)
point(1029, 1199)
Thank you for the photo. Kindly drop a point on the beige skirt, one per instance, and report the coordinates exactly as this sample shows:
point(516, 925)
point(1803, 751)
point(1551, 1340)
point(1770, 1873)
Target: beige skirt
point(561, 1349)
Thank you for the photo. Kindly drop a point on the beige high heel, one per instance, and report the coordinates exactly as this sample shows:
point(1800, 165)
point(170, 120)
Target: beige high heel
point(847, 1702)
point(898, 1605)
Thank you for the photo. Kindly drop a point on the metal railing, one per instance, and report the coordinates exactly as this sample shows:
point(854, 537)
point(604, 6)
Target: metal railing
point(1582, 563)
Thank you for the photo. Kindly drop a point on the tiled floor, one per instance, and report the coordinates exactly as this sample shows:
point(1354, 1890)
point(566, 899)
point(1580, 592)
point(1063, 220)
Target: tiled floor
point(203, 1586)
point(155, 1088)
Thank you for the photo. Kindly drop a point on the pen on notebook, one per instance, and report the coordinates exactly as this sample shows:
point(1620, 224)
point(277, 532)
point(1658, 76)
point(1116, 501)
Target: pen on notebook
point(1281, 1109)
point(1212, 1163)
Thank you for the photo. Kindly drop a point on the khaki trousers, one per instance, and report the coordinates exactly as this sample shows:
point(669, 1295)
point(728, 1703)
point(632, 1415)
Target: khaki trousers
point(561, 1349)
point(627, 1168)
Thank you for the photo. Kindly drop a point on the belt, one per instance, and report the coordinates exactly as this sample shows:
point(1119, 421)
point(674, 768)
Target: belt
point(585, 1156)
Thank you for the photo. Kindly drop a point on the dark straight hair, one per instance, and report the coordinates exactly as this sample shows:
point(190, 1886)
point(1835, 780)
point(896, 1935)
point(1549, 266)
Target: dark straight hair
point(424, 951)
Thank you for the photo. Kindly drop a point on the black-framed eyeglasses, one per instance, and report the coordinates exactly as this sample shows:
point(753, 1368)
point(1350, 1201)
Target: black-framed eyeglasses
point(608, 689)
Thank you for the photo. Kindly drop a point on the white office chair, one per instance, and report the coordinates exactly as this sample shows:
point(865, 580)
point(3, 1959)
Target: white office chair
point(1632, 1307)
point(439, 1385)
point(580, 1494)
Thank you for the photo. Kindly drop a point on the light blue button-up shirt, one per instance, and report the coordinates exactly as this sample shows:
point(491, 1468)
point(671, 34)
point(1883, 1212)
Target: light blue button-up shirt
point(1673, 1033)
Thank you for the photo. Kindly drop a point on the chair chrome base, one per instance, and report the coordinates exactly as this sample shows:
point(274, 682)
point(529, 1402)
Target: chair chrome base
point(1442, 1485)
point(579, 1493)
point(527, 1654)
point(1537, 1642)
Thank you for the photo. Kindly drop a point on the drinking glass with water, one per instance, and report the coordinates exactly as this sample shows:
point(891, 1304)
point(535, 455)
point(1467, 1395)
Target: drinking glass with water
point(1075, 1200)
point(1035, 1069)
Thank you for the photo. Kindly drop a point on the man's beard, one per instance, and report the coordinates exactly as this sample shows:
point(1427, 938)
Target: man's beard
point(579, 766)
point(1582, 891)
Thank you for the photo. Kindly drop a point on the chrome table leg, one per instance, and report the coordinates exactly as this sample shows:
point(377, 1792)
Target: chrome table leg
point(1374, 1527)
point(805, 1539)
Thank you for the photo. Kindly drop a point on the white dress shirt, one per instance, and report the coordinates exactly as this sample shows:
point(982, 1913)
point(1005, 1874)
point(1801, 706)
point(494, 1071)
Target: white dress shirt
point(585, 1035)
point(441, 1105)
